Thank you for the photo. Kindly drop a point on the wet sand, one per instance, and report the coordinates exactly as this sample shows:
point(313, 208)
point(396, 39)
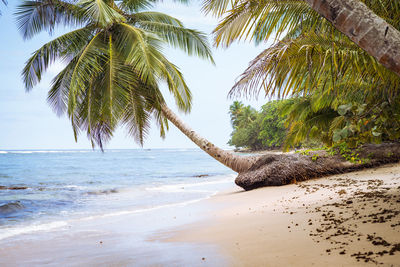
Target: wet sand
point(120, 240)
point(343, 220)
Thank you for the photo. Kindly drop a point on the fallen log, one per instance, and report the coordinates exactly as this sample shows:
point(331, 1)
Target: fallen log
point(283, 169)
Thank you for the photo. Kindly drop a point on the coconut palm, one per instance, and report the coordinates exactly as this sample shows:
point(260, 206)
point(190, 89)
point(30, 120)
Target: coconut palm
point(311, 60)
point(114, 67)
point(234, 111)
point(368, 30)
point(377, 33)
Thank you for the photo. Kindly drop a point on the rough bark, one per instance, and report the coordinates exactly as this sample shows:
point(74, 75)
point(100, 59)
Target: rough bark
point(369, 31)
point(275, 170)
point(235, 162)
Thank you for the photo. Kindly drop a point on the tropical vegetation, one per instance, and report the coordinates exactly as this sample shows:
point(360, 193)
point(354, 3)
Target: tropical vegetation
point(340, 93)
point(258, 130)
point(359, 20)
point(114, 67)
point(364, 27)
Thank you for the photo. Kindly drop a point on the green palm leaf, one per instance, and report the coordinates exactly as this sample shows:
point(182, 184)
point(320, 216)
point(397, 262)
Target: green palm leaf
point(114, 64)
point(35, 16)
point(100, 12)
point(62, 48)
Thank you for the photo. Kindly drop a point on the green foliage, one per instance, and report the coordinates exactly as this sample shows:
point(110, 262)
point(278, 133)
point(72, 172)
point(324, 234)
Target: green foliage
point(257, 130)
point(368, 122)
point(272, 125)
point(338, 92)
point(315, 157)
point(246, 137)
point(114, 62)
point(368, 118)
point(348, 153)
point(234, 111)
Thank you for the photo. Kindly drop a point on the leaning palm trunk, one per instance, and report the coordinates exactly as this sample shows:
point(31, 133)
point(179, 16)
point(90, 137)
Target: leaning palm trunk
point(369, 31)
point(276, 170)
point(235, 162)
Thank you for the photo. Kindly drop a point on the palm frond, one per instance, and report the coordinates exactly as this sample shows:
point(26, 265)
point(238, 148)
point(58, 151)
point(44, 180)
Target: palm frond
point(100, 12)
point(258, 20)
point(36, 16)
point(138, 5)
point(139, 48)
point(113, 65)
point(90, 62)
point(217, 7)
point(312, 61)
point(151, 16)
point(176, 85)
point(63, 47)
point(190, 41)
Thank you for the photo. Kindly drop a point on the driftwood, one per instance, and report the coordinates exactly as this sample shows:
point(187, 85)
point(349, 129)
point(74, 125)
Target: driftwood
point(13, 187)
point(276, 170)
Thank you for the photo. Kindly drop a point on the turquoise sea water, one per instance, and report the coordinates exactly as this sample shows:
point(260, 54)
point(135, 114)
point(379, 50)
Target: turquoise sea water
point(80, 184)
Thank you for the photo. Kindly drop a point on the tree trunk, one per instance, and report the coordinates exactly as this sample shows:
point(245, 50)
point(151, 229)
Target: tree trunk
point(369, 31)
point(275, 170)
point(235, 162)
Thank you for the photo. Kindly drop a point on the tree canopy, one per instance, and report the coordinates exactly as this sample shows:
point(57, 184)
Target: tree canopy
point(339, 91)
point(114, 62)
point(257, 130)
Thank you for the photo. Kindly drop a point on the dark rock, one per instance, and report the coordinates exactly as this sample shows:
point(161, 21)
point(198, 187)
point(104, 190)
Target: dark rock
point(201, 175)
point(11, 207)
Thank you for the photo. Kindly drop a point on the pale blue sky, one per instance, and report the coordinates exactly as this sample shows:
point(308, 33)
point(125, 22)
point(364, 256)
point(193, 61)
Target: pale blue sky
point(27, 122)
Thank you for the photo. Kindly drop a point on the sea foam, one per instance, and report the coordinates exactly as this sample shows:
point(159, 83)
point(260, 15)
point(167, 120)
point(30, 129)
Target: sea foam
point(6, 233)
point(45, 227)
point(185, 186)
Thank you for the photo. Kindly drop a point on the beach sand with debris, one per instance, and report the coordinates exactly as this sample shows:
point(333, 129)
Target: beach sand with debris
point(343, 220)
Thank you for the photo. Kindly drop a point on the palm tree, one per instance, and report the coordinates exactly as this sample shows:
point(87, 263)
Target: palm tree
point(247, 116)
point(313, 62)
point(369, 31)
point(241, 115)
point(355, 18)
point(114, 66)
point(234, 111)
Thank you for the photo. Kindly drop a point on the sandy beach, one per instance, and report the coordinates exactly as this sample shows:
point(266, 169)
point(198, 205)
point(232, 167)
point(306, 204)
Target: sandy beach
point(343, 220)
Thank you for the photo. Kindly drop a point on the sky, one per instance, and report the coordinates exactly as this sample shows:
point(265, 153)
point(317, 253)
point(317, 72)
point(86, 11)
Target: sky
point(28, 122)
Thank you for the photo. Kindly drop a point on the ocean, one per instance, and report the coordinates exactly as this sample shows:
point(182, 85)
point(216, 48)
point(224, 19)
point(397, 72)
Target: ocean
point(51, 189)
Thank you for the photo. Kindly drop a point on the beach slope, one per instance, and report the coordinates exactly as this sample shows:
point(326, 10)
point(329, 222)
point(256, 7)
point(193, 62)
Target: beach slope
point(343, 220)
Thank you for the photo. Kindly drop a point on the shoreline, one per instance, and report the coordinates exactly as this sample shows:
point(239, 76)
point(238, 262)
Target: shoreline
point(310, 223)
point(347, 220)
point(118, 238)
